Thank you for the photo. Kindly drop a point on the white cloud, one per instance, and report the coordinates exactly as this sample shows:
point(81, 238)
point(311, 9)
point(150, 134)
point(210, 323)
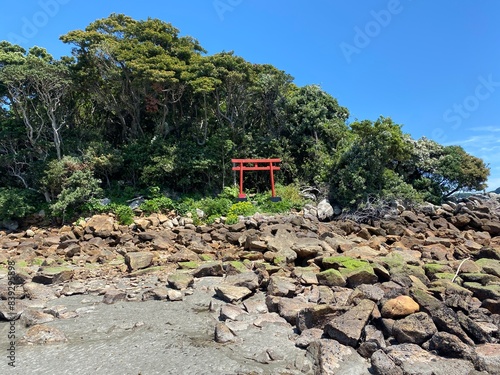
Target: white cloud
point(493, 129)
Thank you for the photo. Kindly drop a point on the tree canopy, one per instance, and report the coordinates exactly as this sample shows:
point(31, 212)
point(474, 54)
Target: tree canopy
point(138, 105)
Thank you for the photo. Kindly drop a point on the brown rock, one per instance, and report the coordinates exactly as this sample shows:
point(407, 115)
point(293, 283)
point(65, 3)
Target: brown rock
point(138, 260)
point(100, 226)
point(398, 307)
point(41, 334)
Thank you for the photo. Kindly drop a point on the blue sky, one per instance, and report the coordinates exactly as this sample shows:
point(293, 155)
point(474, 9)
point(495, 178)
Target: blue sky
point(432, 66)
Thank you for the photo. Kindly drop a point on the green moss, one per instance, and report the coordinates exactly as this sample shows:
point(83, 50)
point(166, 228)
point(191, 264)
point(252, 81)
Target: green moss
point(188, 265)
point(331, 277)
point(37, 261)
point(481, 278)
point(238, 266)
point(206, 257)
point(433, 268)
point(348, 263)
point(279, 261)
point(393, 260)
point(21, 264)
point(444, 275)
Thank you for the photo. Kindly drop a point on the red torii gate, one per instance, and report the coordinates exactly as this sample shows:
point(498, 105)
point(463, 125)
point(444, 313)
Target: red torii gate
point(241, 167)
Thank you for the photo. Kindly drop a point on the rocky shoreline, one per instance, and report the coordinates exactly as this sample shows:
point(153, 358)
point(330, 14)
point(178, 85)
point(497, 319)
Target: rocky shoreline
point(415, 292)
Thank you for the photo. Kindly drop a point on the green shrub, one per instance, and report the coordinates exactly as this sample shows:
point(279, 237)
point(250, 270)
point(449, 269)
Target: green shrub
point(214, 207)
point(185, 205)
point(242, 208)
point(124, 214)
point(15, 203)
point(157, 205)
point(231, 219)
point(229, 192)
point(77, 189)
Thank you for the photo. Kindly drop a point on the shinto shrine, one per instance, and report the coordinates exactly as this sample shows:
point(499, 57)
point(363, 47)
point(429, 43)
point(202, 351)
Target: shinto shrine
point(242, 165)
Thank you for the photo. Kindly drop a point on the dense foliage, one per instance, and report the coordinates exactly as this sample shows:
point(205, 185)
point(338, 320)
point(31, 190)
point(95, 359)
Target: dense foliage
point(137, 105)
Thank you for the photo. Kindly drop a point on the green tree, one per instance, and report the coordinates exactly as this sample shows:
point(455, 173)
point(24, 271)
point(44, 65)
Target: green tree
point(365, 159)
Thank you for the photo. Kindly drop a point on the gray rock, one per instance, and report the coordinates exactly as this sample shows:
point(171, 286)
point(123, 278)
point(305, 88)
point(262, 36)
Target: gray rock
point(113, 296)
point(330, 357)
point(180, 280)
point(11, 311)
point(324, 210)
point(348, 328)
point(448, 345)
point(415, 328)
point(39, 291)
point(74, 287)
point(32, 317)
point(231, 312)
point(49, 275)
point(487, 358)
point(374, 340)
point(289, 308)
point(174, 295)
point(281, 286)
point(315, 316)
point(382, 364)
point(209, 269)
point(223, 334)
point(414, 360)
point(308, 336)
point(138, 260)
point(231, 293)
point(248, 280)
point(307, 247)
point(445, 318)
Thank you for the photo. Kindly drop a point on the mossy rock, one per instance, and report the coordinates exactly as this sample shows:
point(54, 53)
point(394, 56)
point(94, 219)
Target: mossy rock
point(489, 266)
point(271, 268)
point(331, 277)
point(409, 270)
point(483, 292)
point(206, 257)
point(279, 261)
point(37, 261)
point(432, 268)
point(359, 276)
point(393, 260)
point(234, 267)
point(447, 276)
point(482, 278)
point(21, 264)
point(344, 262)
point(188, 265)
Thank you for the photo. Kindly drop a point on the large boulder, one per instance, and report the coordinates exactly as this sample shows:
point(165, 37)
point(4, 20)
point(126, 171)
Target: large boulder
point(324, 210)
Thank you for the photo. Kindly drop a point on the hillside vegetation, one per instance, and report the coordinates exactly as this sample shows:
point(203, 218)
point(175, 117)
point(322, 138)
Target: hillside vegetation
point(138, 108)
